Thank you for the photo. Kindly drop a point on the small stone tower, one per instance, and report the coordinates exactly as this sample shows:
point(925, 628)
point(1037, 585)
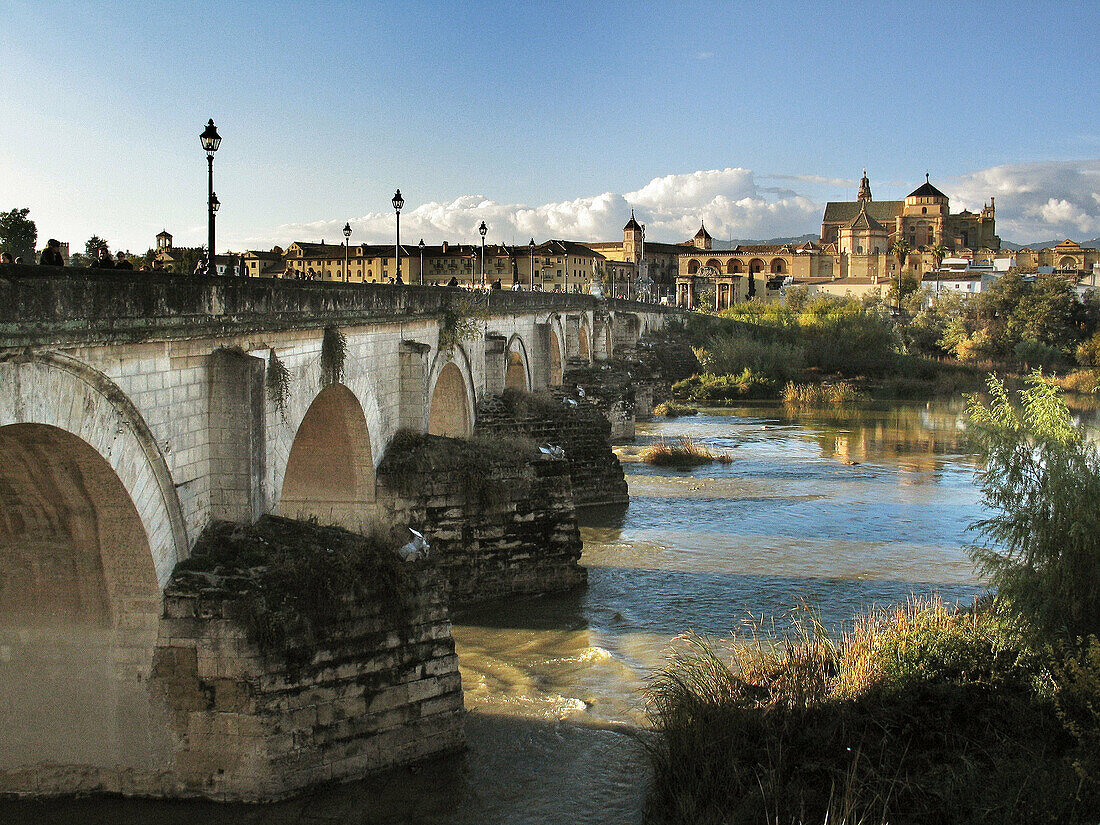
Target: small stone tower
point(164, 241)
point(864, 188)
point(632, 240)
point(702, 239)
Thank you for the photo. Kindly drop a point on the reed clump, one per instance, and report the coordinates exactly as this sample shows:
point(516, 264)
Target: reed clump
point(825, 394)
point(674, 409)
point(682, 452)
point(922, 713)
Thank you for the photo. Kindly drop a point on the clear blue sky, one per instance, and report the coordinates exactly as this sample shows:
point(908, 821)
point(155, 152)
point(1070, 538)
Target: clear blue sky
point(325, 108)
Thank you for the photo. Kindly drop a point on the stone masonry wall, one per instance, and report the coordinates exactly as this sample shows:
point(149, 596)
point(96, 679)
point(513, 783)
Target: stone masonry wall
point(578, 427)
point(379, 691)
point(523, 540)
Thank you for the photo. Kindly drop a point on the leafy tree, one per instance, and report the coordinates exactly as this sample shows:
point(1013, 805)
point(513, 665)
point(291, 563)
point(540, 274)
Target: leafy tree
point(939, 252)
point(18, 234)
point(92, 247)
point(900, 250)
point(1047, 314)
point(1041, 547)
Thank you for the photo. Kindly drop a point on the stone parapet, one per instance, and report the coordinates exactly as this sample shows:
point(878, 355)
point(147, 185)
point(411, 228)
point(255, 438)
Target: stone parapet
point(48, 305)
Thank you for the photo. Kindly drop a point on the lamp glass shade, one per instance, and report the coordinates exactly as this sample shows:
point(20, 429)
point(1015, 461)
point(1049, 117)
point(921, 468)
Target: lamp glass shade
point(214, 203)
point(421, 244)
point(483, 229)
point(398, 201)
point(210, 138)
point(347, 230)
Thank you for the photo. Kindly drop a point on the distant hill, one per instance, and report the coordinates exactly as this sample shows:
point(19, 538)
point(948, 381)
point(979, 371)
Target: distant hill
point(813, 236)
point(1094, 243)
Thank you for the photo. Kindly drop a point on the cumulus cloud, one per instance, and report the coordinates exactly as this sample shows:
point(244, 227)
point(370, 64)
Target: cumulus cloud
point(729, 201)
point(1037, 201)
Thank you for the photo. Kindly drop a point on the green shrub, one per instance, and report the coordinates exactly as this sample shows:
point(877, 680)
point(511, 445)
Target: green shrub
point(1088, 352)
point(725, 388)
point(672, 409)
point(1041, 546)
point(1037, 355)
point(732, 354)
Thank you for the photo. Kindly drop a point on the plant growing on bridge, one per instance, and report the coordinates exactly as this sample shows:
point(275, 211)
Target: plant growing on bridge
point(297, 582)
point(333, 351)
point(278, 382)
point(461, 321)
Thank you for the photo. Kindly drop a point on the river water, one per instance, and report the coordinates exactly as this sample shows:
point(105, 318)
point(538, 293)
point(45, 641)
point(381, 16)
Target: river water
point(843, 510)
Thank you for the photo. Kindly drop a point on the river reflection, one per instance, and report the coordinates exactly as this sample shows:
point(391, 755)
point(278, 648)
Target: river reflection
point(842, 509)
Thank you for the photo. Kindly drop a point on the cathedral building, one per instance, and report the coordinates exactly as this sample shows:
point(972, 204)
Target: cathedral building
point(923, 219)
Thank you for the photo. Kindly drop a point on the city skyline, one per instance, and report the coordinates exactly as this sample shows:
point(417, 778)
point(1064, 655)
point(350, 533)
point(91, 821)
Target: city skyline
point(545, 122)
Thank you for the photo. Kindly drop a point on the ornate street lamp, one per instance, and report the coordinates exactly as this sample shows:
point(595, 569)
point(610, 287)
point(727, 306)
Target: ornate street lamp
point(483, 229)
point(347, 241)
point(421, 246)
point(532, 248)
point(211, 140)
point(398, 202)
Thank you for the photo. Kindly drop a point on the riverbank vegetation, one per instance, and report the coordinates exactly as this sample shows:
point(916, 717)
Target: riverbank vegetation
point(922, 713)
point(682, 452)
point(674, 409)
point(821, 395)
point(936, 345)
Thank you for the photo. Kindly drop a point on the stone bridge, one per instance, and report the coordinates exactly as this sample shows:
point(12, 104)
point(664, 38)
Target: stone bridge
point(135, 408)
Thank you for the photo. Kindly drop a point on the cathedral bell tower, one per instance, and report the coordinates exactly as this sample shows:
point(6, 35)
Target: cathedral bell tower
point(864, 188)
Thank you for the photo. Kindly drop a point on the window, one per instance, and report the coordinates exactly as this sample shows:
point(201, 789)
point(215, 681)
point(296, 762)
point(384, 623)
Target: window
point(924, 210)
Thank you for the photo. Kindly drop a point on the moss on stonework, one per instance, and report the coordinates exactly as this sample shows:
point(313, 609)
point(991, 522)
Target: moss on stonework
point(295, 580)
point(413, 460)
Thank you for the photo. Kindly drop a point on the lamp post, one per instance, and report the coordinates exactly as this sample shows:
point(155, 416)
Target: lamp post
point(483, 229)
point(421, 246)
point(398, 202)
point(532, 247)
point(347, 241)
point(211, 140)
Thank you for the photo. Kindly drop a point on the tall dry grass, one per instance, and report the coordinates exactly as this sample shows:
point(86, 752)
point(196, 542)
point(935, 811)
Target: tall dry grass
point(919, 714)
point(682, 452)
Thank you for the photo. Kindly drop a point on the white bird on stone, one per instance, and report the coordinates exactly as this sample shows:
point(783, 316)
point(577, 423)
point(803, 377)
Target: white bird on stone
point(580, 392)
point(416, 549)
point(569, 402)
point(552, 450)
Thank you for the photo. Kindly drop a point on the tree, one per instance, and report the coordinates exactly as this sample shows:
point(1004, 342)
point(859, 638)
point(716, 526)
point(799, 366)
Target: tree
point(900, 250)
point(18, 234)
point(939, 252)
point(92, 247)
point(1041, 546)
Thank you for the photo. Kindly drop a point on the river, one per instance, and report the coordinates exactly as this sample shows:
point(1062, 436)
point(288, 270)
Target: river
point(841, 509)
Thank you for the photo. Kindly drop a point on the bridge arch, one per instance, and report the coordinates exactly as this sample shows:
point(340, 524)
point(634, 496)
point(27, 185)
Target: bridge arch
point(62, 392)
point(88, 538)
point(329, 472)
point(517, 374)
point(451, 397)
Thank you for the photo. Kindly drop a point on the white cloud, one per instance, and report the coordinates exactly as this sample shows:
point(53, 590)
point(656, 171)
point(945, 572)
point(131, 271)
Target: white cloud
point(1037, 201)
point(728, 200)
